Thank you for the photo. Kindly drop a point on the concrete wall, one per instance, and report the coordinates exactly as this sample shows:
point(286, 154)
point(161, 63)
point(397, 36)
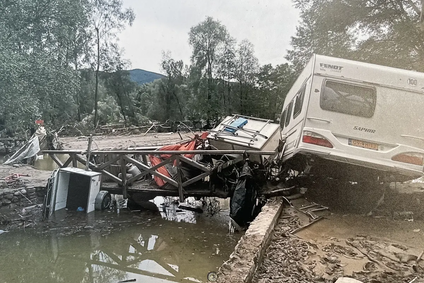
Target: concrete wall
point(249, 251)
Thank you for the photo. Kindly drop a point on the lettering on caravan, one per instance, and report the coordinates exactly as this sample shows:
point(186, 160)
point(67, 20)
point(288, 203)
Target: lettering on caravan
point(335, 68)
point(362, 129)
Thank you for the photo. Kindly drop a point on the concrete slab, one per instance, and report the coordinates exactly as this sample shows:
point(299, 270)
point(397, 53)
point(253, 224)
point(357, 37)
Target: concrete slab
point(249, 251)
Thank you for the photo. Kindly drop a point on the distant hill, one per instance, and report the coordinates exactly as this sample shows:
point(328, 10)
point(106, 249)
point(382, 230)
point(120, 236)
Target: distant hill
point(143, 77)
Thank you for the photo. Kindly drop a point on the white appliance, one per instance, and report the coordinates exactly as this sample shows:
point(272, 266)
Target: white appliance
point(75, 189)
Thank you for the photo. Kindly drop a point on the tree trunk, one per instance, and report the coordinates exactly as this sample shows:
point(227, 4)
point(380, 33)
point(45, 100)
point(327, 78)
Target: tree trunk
point(96, 92)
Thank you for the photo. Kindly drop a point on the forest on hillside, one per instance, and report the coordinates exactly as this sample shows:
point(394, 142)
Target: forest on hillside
point(60, 61)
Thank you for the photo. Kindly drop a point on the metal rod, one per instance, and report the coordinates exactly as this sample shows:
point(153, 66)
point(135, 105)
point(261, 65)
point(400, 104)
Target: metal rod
point(252, 118)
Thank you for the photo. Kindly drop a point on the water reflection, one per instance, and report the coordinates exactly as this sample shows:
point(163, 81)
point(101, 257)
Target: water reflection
point(112, 248)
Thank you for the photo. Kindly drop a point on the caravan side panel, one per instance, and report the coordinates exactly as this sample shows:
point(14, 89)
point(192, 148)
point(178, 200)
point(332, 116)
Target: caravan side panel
point(359, 114)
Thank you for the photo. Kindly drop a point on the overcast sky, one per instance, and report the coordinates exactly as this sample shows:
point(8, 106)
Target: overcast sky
point(163, 25)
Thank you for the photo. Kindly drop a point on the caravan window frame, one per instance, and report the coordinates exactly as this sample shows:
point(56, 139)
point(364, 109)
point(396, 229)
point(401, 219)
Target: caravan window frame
point(283, 118)
point(299, 100)
point(289, 113)
point(359, 104)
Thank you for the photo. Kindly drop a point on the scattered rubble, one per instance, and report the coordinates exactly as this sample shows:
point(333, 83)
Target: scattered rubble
point(359, 247)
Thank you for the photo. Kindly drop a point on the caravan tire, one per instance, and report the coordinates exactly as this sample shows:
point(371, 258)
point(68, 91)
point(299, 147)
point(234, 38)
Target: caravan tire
point(103, 200)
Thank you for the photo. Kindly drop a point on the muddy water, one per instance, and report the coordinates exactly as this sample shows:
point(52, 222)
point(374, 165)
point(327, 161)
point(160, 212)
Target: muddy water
point(169, 245)
point(45, 162)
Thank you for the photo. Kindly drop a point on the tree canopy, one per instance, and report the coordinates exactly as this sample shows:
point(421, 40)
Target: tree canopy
point(383, 32)
point(46, 46)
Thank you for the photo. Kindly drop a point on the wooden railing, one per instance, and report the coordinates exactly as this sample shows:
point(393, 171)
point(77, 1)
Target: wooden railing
point(139, 158)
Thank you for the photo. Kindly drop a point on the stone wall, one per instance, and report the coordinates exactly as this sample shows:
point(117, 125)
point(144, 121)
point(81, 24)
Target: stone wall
point(21, 197)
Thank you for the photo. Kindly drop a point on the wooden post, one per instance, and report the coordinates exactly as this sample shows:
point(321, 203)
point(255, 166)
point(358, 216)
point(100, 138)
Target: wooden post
point(124, 177)
point(74, 160)
point(179, 178)
point(87, 164)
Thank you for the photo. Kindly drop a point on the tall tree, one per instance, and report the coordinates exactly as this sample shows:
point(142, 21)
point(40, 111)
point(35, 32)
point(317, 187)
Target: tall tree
point(208, 42)
point(226, 71)
point(246, 67)
point(108, 17)
point(119, 85)
point(171, 87)
point(383, 32)
point(37, 55)
point(272, 86)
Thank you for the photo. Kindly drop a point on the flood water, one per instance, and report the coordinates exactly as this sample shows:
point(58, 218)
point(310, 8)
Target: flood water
point(169, 245)
point(166, 245)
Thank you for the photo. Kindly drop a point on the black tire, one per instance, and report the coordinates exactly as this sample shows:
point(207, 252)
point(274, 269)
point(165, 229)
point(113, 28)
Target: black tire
point(103, 200)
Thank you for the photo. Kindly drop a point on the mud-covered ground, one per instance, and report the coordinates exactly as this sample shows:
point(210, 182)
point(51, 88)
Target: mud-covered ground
point(102, 142)
point(370, 235)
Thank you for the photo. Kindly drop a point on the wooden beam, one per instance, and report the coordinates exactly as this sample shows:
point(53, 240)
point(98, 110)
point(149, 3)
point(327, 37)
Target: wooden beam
point(197, 178)
point(56, 160)
point(179, 152)
point(124, 176)
point(152, 170)
point(194, 163)
point(179, 179)
point(67, 162)
point(113, 160)
point(74, 160)
point(94, 167)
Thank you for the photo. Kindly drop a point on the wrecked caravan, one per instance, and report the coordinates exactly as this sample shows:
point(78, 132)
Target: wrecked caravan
point(356, 120)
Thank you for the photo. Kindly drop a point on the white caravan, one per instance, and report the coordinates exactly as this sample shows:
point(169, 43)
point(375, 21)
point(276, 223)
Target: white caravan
point(355, 120)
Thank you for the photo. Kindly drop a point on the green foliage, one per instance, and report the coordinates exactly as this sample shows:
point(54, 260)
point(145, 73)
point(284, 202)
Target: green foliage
point(44, 47)
point(383, 32)
point(36, 51)
point(107, 18)
point(60, 61)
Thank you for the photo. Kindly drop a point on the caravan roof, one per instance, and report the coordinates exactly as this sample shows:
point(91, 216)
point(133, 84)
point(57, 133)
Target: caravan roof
point(370, 73)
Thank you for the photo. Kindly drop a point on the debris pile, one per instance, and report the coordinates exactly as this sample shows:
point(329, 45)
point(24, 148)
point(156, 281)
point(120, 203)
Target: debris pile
point(317, 256)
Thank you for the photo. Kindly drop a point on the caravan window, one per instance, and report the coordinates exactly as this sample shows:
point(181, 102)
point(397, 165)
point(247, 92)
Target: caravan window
point(283, 118)
point(289, 112)
point(300, 96)
point(348, 99)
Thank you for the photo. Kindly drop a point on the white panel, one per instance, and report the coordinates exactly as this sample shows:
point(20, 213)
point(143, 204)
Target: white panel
point(62, 190)
point(94, 190)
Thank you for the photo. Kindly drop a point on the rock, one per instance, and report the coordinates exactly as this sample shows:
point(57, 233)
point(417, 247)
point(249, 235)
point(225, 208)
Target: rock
point(347, 280)
point(31, 190)
point(8, 196)
point(23, 191)
point(6, 202)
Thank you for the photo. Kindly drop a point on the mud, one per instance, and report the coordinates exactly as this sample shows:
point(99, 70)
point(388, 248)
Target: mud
point(125, 141)
point(363, 237)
